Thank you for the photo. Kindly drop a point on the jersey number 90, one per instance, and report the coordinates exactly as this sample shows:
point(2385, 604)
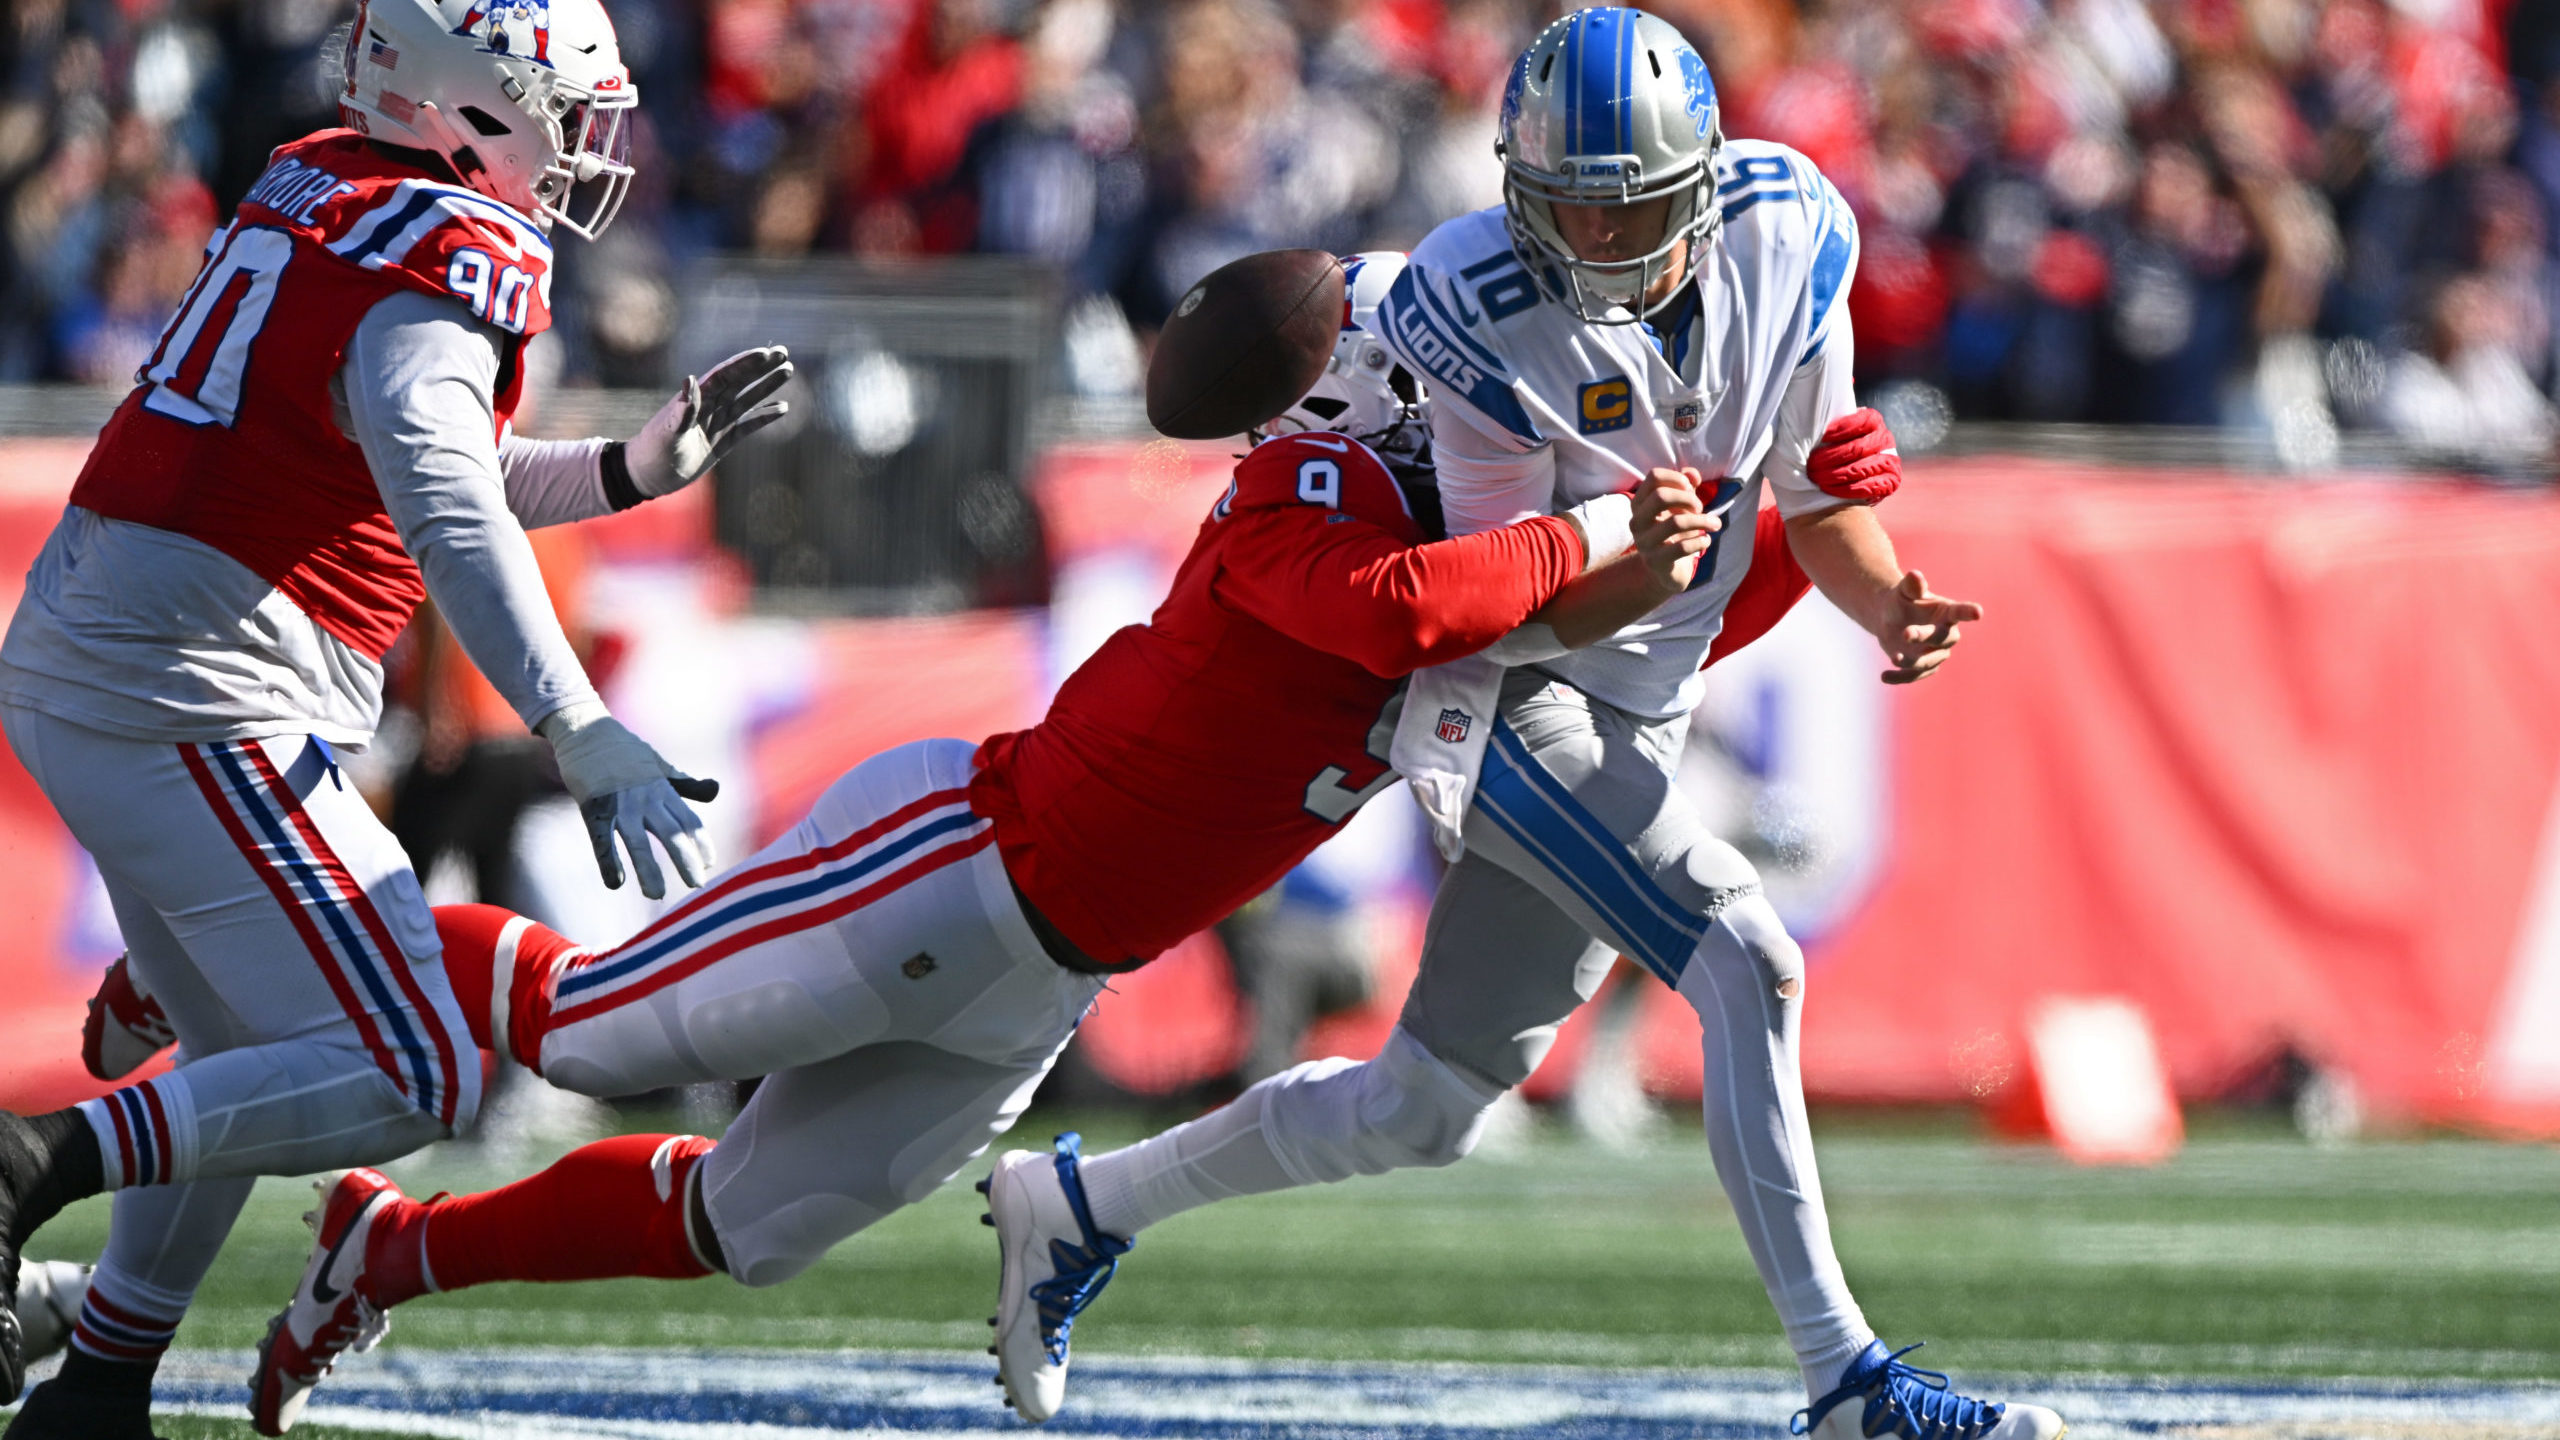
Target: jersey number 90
point(197, 371)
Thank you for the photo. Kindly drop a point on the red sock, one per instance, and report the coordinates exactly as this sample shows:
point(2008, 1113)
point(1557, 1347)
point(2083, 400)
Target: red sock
point(472, 935)
point(613, 1208)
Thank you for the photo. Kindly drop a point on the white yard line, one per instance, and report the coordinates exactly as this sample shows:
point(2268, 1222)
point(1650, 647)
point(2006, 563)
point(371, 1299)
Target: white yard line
point(767, 1395)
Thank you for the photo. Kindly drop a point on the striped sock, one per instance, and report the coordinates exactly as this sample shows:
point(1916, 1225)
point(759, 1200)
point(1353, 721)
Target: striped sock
point(146, 1132)
point(125, 1321)
point(500, 966)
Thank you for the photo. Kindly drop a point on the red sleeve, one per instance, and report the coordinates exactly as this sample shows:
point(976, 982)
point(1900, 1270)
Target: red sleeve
point(1303, 554)
point(1769, 589)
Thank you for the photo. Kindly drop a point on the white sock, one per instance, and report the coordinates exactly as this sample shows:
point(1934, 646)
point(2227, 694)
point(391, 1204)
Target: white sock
point(1823, 1369)
point(1316, 1123)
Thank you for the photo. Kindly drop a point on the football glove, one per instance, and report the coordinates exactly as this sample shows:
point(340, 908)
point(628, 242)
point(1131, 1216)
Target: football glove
point(1857, 460)
point(709, 415)
point(628, 794)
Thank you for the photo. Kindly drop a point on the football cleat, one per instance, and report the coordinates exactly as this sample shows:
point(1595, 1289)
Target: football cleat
point(49, 1296)
point(57, 1412)
point(332, 1313)
point(126, 1027)
point(1054, 1263)
point(1880, 1396)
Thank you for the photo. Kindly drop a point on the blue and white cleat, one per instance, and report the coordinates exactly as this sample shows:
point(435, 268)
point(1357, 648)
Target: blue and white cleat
point(1878, 1396)
point(1054, 1264)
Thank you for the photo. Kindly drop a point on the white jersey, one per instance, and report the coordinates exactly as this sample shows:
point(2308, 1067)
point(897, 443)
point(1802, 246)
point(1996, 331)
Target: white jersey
point(1535, 410)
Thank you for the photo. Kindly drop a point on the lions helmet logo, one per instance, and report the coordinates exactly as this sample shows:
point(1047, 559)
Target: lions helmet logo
point(1453, 726)
point(1700, 100)
point(521, 28)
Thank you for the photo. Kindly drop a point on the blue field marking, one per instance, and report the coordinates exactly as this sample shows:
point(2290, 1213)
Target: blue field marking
point(626, 1394)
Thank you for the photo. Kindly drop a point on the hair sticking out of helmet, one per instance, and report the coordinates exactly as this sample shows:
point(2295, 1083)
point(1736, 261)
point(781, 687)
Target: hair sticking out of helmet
point(1609, 107)
point(527, 100)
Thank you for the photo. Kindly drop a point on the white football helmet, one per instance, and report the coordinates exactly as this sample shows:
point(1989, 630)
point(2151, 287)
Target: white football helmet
point(1365, 392)
point(527, 100)
point(1608, 106)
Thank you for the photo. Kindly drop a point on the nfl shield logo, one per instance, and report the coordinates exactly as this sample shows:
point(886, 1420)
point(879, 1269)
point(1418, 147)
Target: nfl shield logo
point(1453, 726)
point(1686, 415)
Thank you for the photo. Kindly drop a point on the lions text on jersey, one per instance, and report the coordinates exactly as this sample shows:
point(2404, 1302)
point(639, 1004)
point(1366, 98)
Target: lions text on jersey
point(1537, 410)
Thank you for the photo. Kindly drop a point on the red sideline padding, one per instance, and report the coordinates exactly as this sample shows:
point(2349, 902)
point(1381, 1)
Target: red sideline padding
point(2273, 760)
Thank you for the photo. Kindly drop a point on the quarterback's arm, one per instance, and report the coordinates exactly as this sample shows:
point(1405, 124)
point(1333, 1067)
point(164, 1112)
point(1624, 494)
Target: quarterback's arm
point(1818, 393)
point(420, 377)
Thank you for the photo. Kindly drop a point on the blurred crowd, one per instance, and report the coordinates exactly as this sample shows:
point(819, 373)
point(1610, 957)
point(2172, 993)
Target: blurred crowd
point(2300, 217)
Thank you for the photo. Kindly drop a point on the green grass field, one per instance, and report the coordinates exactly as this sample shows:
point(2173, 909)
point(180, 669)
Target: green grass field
point(2252, 1253)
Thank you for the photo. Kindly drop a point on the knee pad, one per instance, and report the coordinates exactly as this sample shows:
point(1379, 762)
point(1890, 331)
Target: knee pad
point(1747, 941)
point(1430, 1110)
point(1406, 1108)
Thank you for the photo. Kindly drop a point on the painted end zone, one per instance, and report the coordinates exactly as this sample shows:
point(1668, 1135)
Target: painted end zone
point(731, 1395)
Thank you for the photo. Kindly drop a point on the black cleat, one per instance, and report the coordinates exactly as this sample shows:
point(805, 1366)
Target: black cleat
point(17, 1154)
point(13, 1362)
point(56, 1413)
point(45, 1162)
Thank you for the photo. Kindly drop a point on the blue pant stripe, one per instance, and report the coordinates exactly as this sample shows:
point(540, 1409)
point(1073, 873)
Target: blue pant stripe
point(308, 880)
point(1603, 841)
point(676, 941)
point(1640, 948)
point(1532, 818)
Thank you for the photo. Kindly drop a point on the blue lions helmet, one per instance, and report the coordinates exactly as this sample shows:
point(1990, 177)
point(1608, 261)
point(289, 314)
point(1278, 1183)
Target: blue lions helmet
point(1608, 106)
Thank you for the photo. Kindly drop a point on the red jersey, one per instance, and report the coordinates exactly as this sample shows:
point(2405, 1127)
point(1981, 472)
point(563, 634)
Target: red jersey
point(229, 437)
point(1194, 759)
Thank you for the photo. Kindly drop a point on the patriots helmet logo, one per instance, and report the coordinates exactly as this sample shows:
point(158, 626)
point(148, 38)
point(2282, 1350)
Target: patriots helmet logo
point(1453, 726)
point(521, 28)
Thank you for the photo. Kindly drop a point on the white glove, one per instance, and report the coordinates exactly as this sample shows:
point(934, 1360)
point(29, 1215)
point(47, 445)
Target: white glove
point(624, 789)
point(691, 432)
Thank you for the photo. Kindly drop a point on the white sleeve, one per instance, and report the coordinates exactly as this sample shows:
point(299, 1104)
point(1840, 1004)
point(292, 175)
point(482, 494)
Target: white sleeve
point(552, 482)
point(1486, 480)
point(419, 378)
point(1819, 393)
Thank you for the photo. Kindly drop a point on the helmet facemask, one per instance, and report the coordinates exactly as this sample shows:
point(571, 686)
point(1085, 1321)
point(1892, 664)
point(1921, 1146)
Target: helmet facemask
point(529, 104)
point(1609, 292)
point(584, 185)
point(1609, 106)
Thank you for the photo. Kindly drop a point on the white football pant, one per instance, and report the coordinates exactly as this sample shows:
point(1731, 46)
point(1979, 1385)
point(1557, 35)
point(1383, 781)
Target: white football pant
point(875, 966)
point(278, 924)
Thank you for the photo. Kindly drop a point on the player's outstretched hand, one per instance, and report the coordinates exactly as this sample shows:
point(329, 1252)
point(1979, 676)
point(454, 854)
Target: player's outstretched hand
point(1857, 460)
point(1921, 629)
point(628, 793)
point(710, 414)
point(1671, 528)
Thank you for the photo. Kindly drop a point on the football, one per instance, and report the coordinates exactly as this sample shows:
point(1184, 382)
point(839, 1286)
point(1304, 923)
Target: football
point(1245, 343)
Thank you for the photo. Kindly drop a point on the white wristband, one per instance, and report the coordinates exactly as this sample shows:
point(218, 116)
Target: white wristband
point(1608, 527)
